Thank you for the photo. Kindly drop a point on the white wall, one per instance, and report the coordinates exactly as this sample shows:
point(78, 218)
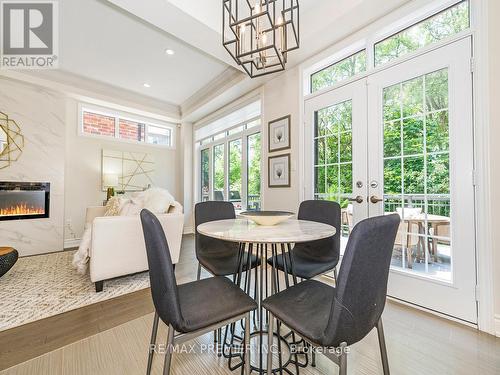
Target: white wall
point(186, 164)
point(83, 171)
point(55, 153)
point(494, 96)
point(281, 97)
point(40, 114)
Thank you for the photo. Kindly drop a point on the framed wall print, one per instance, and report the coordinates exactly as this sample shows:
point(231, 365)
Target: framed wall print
point(279, 134)
point(279, 171)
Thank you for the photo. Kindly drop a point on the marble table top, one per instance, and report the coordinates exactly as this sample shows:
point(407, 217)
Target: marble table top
point(289, 231)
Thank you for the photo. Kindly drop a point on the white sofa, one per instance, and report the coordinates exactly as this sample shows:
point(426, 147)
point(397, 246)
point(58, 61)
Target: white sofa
point(118, 248)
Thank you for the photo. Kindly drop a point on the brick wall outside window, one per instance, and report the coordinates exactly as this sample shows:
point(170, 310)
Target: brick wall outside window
point(114, 126)
point(97, 124)
point(132, 130)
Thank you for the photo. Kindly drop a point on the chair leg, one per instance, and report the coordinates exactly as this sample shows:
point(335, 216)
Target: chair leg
point(343, 359)
point(198, 274)
point(152, 342)
point(270, 333)
point(169, 350)
point(99, 285)
point(247, 344)
point(383, 349)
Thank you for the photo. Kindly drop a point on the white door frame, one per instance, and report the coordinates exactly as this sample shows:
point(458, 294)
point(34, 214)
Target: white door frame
point(458, 297)
point(484, 245)
point(307, 145)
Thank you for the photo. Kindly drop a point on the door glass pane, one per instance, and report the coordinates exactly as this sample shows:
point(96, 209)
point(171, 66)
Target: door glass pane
point(205, 172)
point(416, 173)
point(235, 173)
point(253, 182)
point(219, 172)
point(333, 159)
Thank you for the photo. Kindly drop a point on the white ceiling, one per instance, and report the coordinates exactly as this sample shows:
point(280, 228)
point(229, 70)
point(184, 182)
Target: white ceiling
point(121, 44)
point(103, 43)
point(209, 12)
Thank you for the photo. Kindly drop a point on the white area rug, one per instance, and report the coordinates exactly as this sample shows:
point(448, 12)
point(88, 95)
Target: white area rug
point(45, 285)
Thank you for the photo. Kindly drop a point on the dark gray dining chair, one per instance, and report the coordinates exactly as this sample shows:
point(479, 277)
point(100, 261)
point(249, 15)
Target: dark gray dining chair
point(191, 309)
point(335, 317)
point(220, 258)
point(314, 258)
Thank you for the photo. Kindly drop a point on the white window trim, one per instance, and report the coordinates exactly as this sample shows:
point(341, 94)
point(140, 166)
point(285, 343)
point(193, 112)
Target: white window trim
point(105, 111)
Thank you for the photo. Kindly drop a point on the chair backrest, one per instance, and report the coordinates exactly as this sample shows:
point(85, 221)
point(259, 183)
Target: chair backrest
point(161, 272)
point(211, 211)
point(218, 195)
point(325, 212)
point(362, 281)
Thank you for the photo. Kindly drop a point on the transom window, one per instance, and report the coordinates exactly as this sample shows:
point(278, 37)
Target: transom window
point(442, 25)
point(438, 27)
point(344, 69)
point(100, 123)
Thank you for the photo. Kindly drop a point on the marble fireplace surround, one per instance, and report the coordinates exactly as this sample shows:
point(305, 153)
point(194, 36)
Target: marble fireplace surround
point(40, 113)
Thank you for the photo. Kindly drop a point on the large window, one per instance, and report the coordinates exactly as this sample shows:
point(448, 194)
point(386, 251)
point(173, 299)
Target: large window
point(235, 154)
point(101, 123)
point(219, 174)
point(253, 165)
point(205, 175)
point(231, 166)
point(447, 23)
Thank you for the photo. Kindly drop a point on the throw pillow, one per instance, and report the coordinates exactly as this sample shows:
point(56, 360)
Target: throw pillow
point(113, 207)
point(158, 200)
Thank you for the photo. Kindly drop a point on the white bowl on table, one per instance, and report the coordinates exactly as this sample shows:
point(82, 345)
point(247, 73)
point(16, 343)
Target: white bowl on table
point(267, 218)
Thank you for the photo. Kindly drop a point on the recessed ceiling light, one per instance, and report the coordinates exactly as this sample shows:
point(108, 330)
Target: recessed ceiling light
point(169, 52)
point(147, 85)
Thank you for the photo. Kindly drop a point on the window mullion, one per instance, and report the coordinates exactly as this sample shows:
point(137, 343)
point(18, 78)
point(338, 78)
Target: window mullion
point(244, 172)
point(211, 173)
point(226, 169)
point(117, 127)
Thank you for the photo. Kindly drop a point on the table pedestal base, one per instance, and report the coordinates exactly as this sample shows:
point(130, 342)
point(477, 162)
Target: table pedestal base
point(265, 282)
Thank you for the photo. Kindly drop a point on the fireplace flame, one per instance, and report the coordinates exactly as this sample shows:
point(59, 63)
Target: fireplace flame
point(21, 209)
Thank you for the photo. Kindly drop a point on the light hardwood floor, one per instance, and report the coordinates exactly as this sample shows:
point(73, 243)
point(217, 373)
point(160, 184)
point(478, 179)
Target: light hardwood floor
point(418, 343)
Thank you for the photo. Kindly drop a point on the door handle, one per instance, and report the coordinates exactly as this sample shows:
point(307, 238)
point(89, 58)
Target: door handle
point(358, 199)
point(374, 199)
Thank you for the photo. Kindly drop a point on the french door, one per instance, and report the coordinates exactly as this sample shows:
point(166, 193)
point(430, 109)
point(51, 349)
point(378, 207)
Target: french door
point(411, 141)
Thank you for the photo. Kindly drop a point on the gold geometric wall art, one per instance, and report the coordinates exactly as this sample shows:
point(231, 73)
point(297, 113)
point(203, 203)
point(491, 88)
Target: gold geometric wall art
point(11, 141)
point(135, 170)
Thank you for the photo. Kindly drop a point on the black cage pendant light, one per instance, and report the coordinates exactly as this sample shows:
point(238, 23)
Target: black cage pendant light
point(259, 34)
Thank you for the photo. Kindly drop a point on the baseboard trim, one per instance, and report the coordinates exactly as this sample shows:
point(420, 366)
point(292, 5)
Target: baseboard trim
point(432, 312)
point(71, 242)
point(497, 325)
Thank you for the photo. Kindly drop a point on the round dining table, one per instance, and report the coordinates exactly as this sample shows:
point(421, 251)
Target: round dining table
point(265, 241)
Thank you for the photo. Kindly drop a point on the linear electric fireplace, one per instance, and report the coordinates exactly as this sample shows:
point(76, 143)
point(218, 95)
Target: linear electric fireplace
point(24, 200)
